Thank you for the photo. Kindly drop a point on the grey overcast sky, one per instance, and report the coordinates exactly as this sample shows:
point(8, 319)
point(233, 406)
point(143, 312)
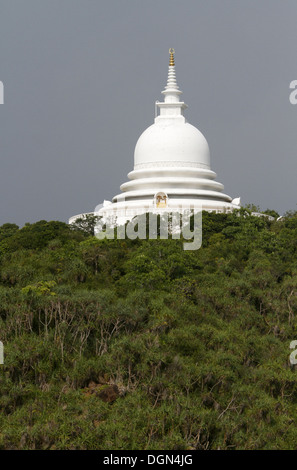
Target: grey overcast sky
point(81, 78)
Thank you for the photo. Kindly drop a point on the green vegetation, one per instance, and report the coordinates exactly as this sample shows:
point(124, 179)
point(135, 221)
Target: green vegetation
point(120, 344)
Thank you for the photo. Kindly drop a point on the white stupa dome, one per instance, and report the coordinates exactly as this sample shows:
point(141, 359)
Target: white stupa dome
point(171, 163)
point(171, 166)
point(178, 143)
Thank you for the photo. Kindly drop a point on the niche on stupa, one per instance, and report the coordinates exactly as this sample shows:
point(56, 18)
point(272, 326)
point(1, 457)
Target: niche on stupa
point(161, 200)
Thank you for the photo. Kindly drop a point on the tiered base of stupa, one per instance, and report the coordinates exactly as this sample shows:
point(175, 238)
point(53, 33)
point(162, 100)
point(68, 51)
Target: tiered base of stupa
point(168, 189)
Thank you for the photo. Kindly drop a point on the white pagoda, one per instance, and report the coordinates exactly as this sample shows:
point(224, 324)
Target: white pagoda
point(171, 166)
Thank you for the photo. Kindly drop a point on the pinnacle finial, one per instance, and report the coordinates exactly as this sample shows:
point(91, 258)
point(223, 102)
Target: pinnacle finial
point(171, 52)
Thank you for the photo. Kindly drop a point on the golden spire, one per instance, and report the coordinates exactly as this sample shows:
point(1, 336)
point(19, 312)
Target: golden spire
point(171, 61)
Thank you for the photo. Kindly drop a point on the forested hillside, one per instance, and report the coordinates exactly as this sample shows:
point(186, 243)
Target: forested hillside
point(120, 344)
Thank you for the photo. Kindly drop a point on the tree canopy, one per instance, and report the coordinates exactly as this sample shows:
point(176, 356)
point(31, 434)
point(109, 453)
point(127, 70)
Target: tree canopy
point(121, 344)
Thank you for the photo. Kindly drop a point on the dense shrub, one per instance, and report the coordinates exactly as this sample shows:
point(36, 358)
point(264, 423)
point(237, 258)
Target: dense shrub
point(194, 345)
